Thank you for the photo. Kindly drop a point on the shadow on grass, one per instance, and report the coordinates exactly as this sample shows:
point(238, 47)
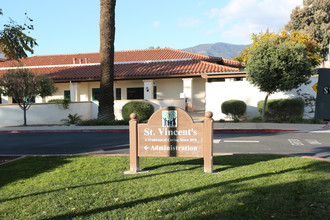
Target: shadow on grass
point(136, 177)
point(300, 199)
point(36, 165)
point(27, 168)
point(292, 200)
point(220, 163)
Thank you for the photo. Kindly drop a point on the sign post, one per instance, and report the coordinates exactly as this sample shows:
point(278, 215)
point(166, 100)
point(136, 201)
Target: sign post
point(171, 132)
point(323, 95)
point(208, 142)
point(133, 144)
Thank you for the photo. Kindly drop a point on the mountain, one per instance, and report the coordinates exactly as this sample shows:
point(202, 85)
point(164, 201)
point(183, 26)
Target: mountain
point(224, 50)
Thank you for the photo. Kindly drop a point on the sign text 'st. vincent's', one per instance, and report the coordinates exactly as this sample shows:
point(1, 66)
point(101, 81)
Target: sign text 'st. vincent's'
point(171, 133)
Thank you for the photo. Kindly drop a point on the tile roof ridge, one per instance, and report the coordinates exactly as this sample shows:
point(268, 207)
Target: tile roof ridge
point(216, 64)
point(50, 66)
point(67, 54)
point(136, 50)
point(196, 54)
point(155, 61)
point(230, 59)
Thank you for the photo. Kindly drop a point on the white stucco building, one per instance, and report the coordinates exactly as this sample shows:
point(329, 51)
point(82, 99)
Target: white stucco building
point(164, 77)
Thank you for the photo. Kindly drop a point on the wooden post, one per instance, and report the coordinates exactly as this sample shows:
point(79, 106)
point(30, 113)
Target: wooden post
point(208, 142)
point(133, 143)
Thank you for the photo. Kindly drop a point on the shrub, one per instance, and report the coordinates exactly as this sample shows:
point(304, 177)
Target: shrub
point(64, 102)
point(317, 121)
point(236, 119)
point(257, 119)
point(143, 109)
point(283, 109)
point(233, 108)
point(72, 119)
point(96, 122)
point(297, 119)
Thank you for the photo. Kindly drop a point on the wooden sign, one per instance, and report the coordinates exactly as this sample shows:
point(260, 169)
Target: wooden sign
point(171, 132)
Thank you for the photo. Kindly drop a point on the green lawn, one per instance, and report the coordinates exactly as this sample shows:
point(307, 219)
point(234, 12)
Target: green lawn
point(94, 187)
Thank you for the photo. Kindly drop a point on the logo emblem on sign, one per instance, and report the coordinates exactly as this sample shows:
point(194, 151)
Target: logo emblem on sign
point(169, 118)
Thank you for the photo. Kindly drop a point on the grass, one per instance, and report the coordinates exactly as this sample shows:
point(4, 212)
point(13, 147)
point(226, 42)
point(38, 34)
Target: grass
point(94, 187)
point(4, 159)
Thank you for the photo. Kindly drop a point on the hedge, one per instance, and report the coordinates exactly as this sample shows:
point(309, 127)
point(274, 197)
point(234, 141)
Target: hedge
point(283, 109)
point(143, 109)
point(233, 108)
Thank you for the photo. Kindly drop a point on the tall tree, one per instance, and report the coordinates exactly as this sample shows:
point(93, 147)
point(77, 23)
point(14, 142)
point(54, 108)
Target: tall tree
point(14, 42)
point(277, 62)
point(312, 47)
point(23, 86)
point(107, 49)
point(313, 18)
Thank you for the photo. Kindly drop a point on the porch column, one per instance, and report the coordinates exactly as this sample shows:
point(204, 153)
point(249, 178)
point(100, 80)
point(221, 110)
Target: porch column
point(74, 92)
point(188, 93)
point(148, 89)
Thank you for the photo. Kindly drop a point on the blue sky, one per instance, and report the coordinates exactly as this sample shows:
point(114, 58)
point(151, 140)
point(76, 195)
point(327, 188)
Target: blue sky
point(72, 26)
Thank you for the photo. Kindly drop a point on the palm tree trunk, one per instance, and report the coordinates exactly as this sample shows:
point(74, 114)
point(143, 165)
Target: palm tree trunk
point(107, 39)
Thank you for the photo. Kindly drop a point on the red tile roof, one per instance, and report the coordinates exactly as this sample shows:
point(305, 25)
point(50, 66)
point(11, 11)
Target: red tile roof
point(120, 56)
point(160, 63)
point(133, 71)
point(233, 63)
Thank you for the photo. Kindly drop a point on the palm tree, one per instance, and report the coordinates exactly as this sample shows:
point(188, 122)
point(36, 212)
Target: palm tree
point(107, 39)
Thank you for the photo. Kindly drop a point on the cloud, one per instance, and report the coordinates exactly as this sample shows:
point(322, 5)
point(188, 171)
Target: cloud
point(188, 22)
point(200, 4)
point(156, 24)
point(240, 18)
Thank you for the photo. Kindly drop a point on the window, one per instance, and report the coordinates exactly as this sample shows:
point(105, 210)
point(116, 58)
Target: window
point(135, 93)
point(155, 92)
point(118, 93)
point(216, 80)
point(67, 94)
point(96, 94)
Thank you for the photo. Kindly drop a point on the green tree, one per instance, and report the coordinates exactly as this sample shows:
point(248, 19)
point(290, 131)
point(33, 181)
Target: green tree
point(107, 39)
point(23, 86)
point(296, 37)
point(278, 64)
point(14, 42)
point(313, 18)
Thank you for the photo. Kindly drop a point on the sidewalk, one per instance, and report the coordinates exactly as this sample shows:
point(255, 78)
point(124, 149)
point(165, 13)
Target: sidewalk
point(225, 127)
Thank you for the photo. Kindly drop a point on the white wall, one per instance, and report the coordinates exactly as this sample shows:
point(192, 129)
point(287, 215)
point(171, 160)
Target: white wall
point(49, 113)
point(169, 88)
point(11, 115)
point(219, 92)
